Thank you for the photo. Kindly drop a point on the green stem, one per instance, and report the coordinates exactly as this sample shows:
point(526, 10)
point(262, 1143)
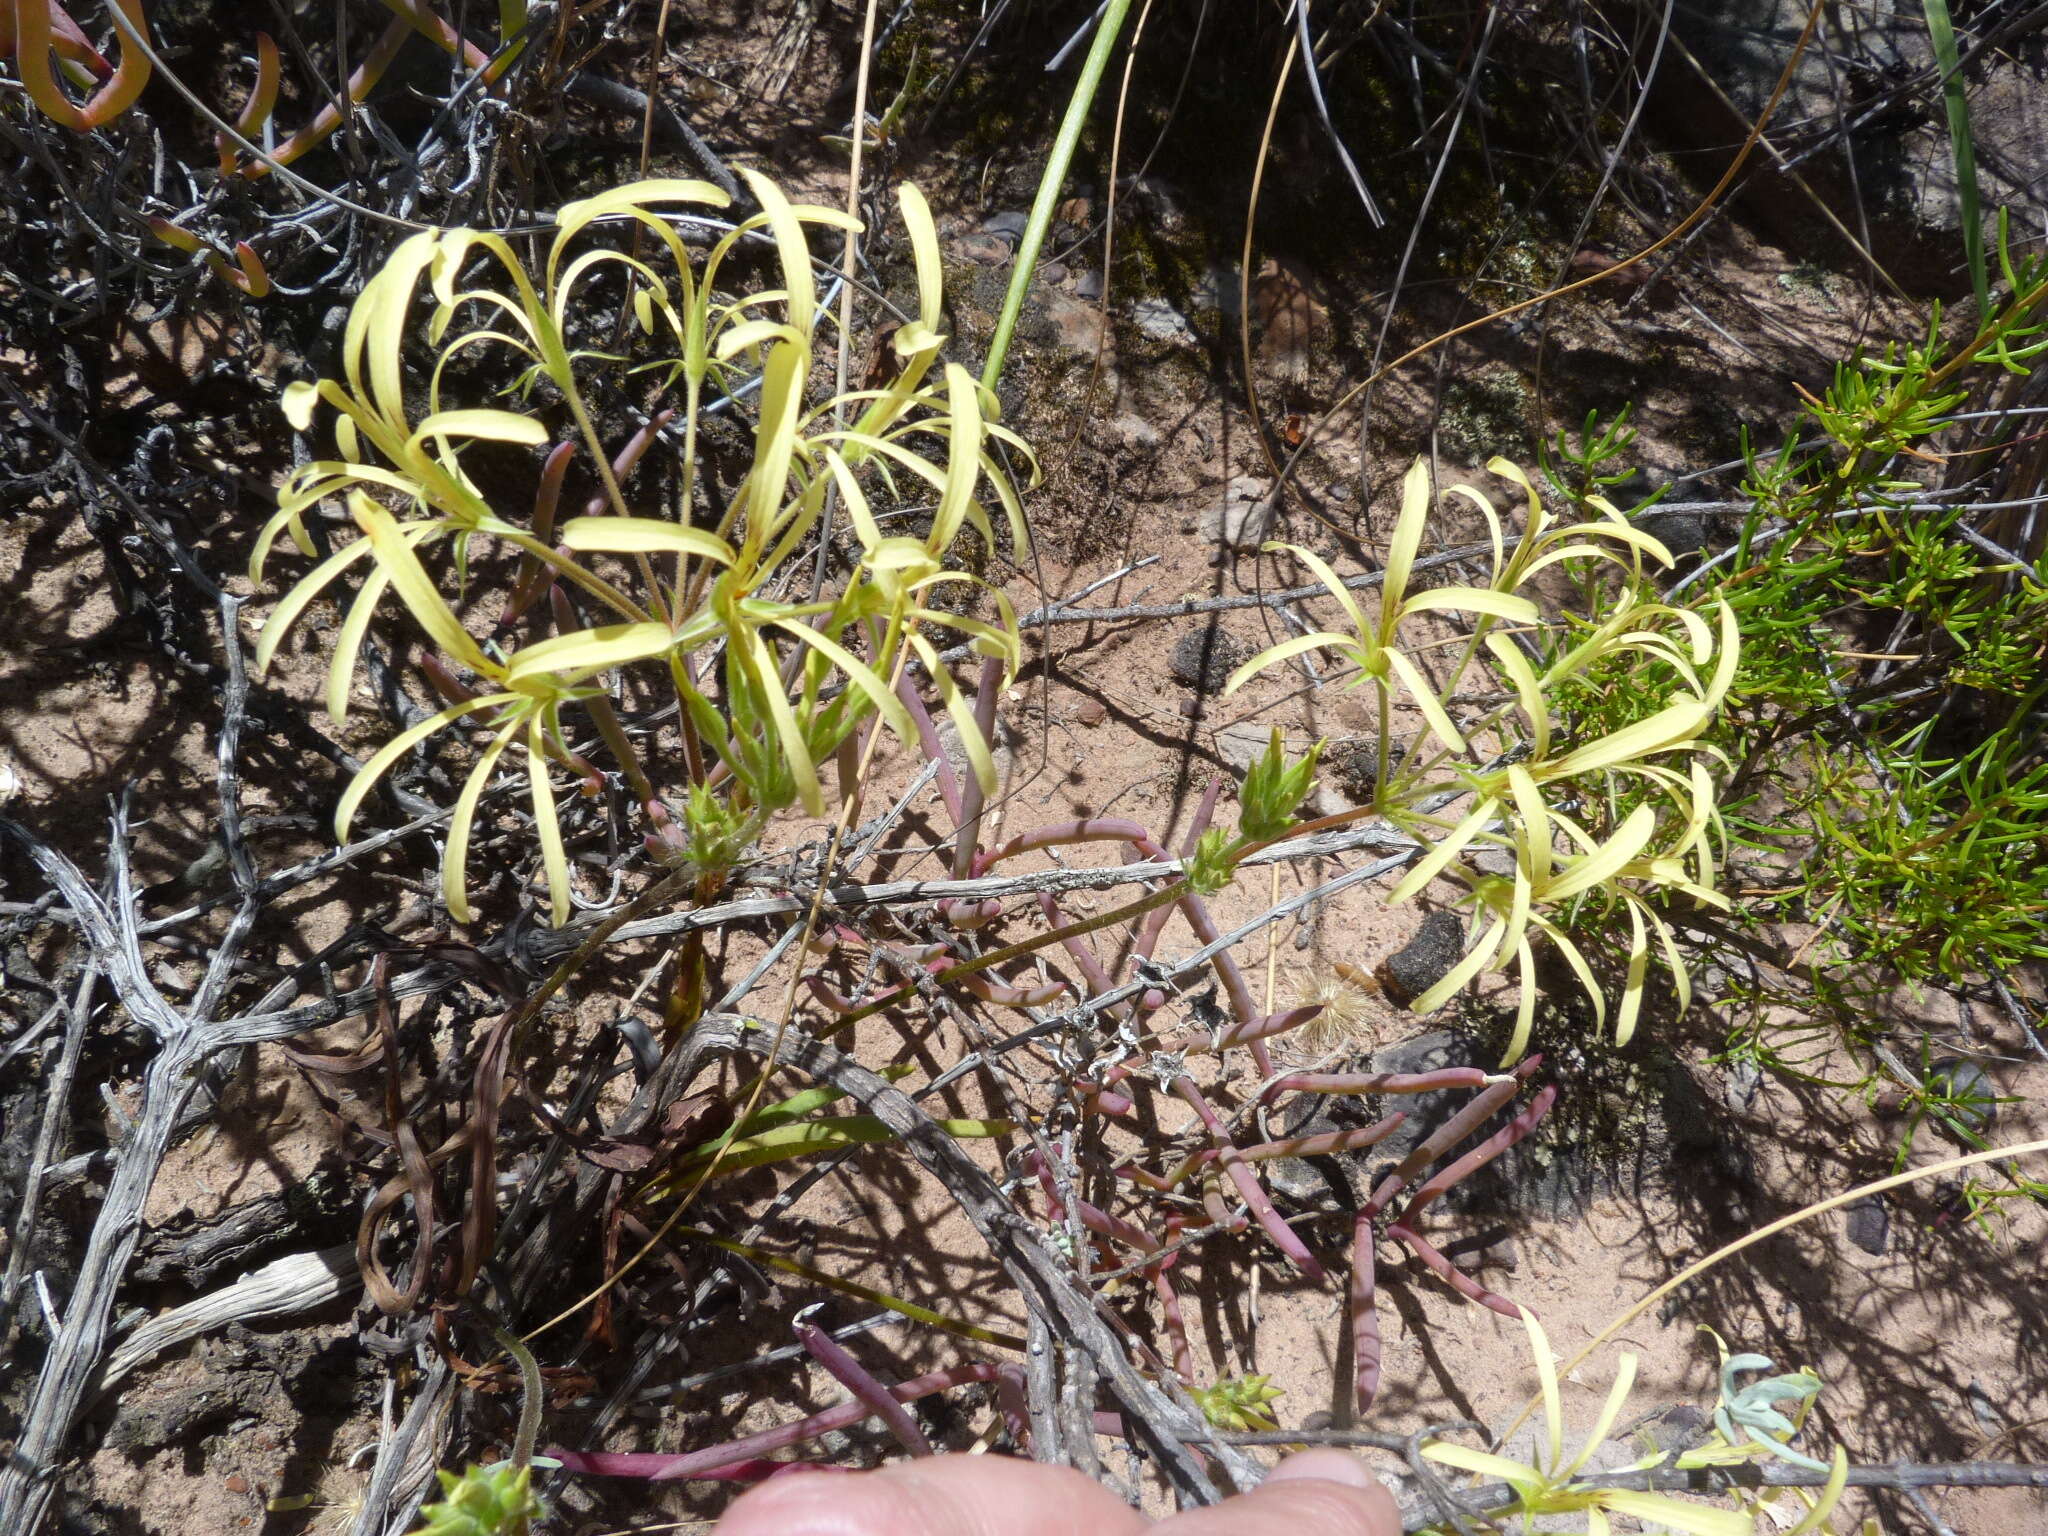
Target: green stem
point(1107, 29)
point(529, 1396)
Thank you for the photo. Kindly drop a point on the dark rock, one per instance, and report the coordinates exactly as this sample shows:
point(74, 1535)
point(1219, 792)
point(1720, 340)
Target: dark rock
point(1088, 286)
point(1897, 183)
point(1739, 1087)
point(1010, 225)
point(1676, 1429)
point(1353, 764)
point(147, 1422)
point(1426, 959)
point(1484, 1251)
point(1869, 1224)
point(989, 250)
point(1203, 659)
point(1968, 1094)
point(1683, 533)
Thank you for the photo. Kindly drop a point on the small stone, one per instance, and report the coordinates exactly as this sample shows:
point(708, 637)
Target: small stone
point(1321, 1419)
point(1426, 959)
point(1075, 210)
point(1078, 326)
point(1088, 285)
point(1351, 711)
point(1869, 1224)
point(1676, 1430)
point(989, 250)
point(234, 1482)
point(1738, 1092)
point(1010, 225)
point(1191, 706)
point(1053, 272)
point(1091, 712)
point(1969, 1098)
point(1471, 1258)
point(1203, 659)
point(1243, 519)
point(1158, 320)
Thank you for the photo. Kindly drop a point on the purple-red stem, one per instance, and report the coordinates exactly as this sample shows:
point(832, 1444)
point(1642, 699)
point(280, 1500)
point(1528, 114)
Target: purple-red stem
point(1365, 1317)
point(862, 1383)
point(1381, 1082)
point(968, 841)
point(928, 743)
point(1181, 1353)
point(1448, 1135)
point(1108, 829)
point(656, 1466)
point(1451, 1275)
point(1205, 809)
point(1284, 1237)
point(1531, 1116)
point(1098, 1221)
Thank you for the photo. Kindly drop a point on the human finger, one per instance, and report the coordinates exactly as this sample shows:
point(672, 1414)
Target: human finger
point(1314, 1493)
point(935, 1496)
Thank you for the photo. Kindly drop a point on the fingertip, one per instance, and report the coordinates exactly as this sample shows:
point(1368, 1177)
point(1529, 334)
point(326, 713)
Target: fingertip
point(1314, 1493)
point(935, 1496)
point(1325, 1465)
point(809, 1505)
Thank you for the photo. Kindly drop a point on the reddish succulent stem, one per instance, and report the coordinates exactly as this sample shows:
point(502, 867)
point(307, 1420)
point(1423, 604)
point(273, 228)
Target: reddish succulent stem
point(257, 109)
point(1448, 1135)
point(1100, 1100)
point(1096, 1220)
point(839, 1002)
point(1272, 1024)
point(34, 21)
point(1004, 995)
point(1531, 1116)
point(329, 118)
point(1326, 1142)
point(1451, 1275)
point(1180, 1353)
point(1219, 1215)
point(928, 743)
point(987, 693)
point(1284, 1237)
point(861, 1382)
point(1205, 809)
point(1380, 1082)
point(1365, 1317)
point(714, 1461)
point(1115, 829)
point(1321, 1144)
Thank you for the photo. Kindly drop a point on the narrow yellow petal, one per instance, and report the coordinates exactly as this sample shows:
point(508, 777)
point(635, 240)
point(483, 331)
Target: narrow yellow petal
point(454, 887)
point(402, 567)
point(554, 859)
point(1406, 541)
point(1443, 851)
point(1617, 1396)
point(381, 760)
point(1423, 695)
point(924, 250)
point(1605, 862)
point(1838, 1479)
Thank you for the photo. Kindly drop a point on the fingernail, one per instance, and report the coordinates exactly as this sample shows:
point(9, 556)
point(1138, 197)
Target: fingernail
point(1326, 1466)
